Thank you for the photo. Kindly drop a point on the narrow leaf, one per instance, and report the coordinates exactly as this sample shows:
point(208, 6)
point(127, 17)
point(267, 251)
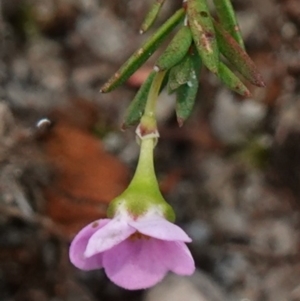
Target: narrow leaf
point(152, 15)
point(232, 81)
point(176, 50)
point(180, 74)
point(201, 24)
point(142, 54)
point(137, 105)
point(237, 56)
point(228, 19)
point(185, 100)
point(186, 93)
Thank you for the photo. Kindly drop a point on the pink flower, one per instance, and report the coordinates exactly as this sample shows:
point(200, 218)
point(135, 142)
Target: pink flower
point(135, 253)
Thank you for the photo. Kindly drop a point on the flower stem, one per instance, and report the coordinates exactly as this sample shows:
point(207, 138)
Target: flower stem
point(143, 192)
point(145, 170)
point(153, 94)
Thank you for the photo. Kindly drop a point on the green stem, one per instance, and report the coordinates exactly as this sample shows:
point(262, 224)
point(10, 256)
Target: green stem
point(145, 172)
point(143, 191)
point(153, 94)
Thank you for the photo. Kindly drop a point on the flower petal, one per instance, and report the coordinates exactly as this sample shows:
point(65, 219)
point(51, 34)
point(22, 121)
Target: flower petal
point(135, 264)
point(110, 235)
point(159, 228)
point(79, 244)
point(177, 257)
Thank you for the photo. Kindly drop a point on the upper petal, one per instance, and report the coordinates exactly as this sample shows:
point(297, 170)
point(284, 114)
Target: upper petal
point(134, 264)
point(159, 228)
point(177, 257)
point(108, 236)
point(78, 246)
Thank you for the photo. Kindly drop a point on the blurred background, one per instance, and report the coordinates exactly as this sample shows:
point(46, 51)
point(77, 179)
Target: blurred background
point(232, 172)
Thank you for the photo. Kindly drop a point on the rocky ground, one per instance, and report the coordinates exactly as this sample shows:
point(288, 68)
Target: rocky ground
point(232, 172)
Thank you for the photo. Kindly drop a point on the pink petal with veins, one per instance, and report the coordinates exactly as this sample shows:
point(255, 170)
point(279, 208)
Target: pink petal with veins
point(79, 244)
point(134, 264)
point(108, 236)
point(160, 228)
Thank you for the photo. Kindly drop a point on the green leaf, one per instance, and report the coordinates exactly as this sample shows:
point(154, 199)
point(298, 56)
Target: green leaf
point(201, 24)
point(237, 56)
point(180, 74)
point(152, 15)
point(142, 54)
point(137, 105)
point(228, 19)
point(232, 81)
point(176, 50)
point(186, 93)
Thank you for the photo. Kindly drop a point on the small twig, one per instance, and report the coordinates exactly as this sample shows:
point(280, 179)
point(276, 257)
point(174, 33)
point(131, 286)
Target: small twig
point(34, 218)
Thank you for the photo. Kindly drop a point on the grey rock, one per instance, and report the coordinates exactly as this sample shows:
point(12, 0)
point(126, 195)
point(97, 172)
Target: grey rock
point(199, 231)
point(230, 221)
point(253, 190)
point(47, 67)
point(104, 26)
point(276, 237)
point(233, 121)
point(231, 268)
point(282, 283)
point(198, 287)
point(217, 174)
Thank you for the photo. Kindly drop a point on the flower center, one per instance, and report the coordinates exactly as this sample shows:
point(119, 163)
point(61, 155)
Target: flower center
point(138, 235)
